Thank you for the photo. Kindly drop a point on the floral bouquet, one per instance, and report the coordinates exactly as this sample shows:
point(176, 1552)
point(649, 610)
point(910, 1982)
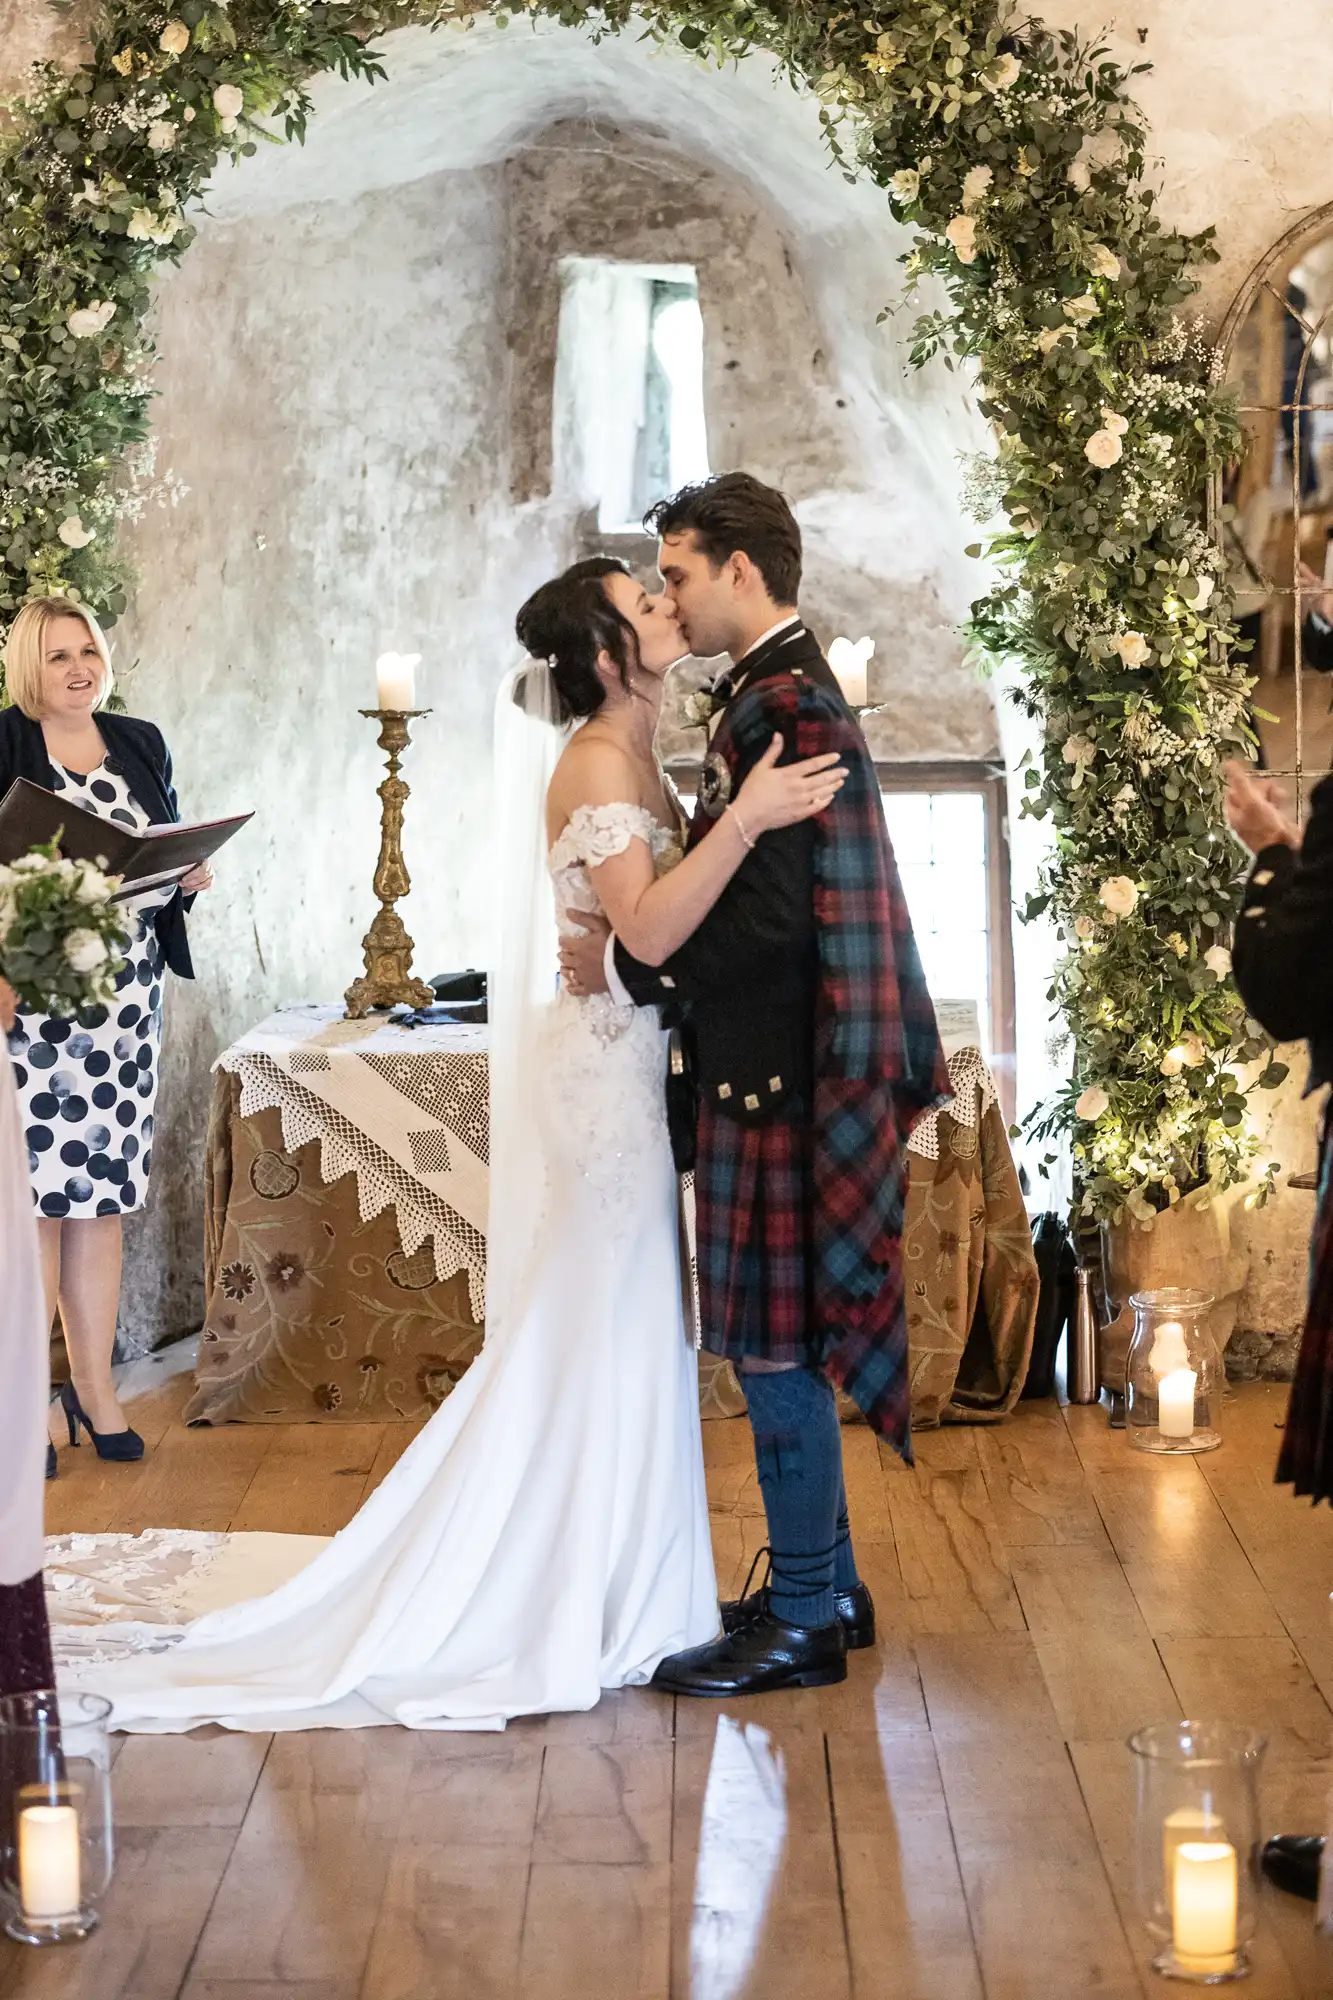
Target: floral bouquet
point(62, 939)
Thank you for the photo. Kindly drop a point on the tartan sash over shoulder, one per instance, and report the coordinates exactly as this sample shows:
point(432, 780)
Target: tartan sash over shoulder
point(878, 1064)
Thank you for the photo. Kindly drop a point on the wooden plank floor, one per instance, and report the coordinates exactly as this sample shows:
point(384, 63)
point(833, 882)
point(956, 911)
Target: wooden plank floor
point(951, 1824)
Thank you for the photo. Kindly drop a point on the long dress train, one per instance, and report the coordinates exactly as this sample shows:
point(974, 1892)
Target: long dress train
point(546, 1535)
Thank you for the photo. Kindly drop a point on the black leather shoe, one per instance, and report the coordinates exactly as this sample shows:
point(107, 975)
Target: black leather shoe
point(1291, 1862)
point(762, 1655)
point(855, 1610)
point(51, 1467)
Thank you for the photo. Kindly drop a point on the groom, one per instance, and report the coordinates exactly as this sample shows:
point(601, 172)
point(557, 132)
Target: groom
point(808, 1031)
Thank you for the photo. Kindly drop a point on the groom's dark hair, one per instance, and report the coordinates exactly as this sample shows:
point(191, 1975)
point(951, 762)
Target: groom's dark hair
point(735, 511)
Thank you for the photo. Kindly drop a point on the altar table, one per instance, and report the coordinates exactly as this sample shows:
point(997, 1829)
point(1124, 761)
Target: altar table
point(345, 1186)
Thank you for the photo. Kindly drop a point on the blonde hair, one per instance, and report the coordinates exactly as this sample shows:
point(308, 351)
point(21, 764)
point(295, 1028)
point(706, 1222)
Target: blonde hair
point(25, 651)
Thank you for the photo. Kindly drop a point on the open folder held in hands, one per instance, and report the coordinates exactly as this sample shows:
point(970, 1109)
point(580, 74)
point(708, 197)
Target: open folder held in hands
point(144, 858)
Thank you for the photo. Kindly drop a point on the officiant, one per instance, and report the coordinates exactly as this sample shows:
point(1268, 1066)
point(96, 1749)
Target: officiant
point(88, 1086)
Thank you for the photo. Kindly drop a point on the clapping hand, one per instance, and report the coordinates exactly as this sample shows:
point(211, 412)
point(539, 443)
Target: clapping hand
point(1253, 813)
point(1312, 585)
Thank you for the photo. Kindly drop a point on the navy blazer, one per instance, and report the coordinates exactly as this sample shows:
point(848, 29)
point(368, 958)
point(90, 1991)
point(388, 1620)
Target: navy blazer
point(141, 754)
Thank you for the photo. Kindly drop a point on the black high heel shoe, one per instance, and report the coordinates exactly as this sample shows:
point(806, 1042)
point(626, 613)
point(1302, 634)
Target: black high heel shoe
point(122, 1445)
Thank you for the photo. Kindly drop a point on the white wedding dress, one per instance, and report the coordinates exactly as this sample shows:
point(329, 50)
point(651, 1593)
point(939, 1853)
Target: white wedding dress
point(546, 1534)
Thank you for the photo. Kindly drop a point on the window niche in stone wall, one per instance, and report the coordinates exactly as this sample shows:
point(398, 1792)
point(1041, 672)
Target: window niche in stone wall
point(629, 422)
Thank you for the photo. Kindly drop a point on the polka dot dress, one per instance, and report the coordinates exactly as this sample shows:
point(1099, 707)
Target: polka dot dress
point(87, 1087)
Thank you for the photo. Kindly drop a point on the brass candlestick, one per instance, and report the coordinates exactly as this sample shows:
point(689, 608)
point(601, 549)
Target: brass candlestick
point(387, 980)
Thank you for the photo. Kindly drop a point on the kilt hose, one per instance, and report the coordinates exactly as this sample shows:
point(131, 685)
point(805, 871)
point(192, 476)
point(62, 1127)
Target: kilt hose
point(1306, 1457)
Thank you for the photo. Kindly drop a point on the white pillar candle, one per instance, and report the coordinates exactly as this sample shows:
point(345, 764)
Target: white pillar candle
point(849, 664)
point(1187, 1823)
point(1203, 1906)
point(1175, 1403)
point(395, 678)
point(49, 1861)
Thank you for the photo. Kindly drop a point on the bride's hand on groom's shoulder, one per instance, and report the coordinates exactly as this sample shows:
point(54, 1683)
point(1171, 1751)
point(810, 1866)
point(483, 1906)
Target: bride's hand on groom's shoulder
point(583, 957)
point(777, 795)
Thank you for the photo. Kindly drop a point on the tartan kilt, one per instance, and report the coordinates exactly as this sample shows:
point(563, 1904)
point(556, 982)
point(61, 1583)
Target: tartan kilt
point(1306, 1458)
point(754, 1192)
point(757, 1211)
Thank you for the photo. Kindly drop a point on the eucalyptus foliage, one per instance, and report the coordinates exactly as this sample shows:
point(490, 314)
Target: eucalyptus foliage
point(1017, 157)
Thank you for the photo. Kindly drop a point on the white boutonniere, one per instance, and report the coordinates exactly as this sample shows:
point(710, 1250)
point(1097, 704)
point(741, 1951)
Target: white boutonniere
point(700, 708)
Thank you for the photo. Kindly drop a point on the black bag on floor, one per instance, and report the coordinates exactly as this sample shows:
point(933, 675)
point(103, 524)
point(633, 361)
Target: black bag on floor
point(1056, 1266)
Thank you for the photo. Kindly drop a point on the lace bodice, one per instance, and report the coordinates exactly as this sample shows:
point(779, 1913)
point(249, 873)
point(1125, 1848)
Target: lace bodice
point(593, 834)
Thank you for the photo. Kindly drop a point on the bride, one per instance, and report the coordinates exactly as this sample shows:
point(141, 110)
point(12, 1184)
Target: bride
point(546, 1534)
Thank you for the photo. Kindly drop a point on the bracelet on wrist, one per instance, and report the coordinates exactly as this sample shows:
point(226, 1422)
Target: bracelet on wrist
point(740, 828)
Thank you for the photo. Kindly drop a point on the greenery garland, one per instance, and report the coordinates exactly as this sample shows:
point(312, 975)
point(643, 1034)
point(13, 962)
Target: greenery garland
point(1017, 157)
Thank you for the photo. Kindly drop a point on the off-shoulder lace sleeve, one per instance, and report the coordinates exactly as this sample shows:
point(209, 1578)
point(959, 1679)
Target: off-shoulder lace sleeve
point(593, 834)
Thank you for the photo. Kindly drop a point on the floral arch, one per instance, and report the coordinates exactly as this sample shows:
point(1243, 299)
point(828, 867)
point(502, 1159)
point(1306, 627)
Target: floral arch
point(1017, 156)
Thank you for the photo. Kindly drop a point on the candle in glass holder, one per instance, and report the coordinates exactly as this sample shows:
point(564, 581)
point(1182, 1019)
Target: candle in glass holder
point(1203, 1906)
point(1175, 1403)
point(395, 679)
point(49, 1861)
point(1187, 1823)
point(849, 663)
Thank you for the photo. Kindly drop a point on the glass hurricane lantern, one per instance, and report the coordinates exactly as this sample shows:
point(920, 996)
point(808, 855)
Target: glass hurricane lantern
point(56, 1846)
point(1196, 1833)
point(1173, 1374)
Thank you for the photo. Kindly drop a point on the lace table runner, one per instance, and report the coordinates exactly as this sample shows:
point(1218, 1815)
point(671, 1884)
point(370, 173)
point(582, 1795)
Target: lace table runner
point(973, 1095)
point(404, 1109)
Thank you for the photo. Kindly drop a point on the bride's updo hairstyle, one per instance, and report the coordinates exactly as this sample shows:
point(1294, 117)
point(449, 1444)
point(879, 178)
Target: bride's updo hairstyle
point(567, 623)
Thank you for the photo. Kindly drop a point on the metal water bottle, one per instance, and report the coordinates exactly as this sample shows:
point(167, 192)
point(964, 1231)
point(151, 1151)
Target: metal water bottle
point(1083, 1356)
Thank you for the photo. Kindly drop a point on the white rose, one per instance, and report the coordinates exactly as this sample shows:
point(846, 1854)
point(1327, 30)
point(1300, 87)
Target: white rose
point(87, 322)
point(1006, 72)
point(1081, 309)
point(1218, 960)
point(962, 233)
point(1103, 448)
point(1103, 262)
point(85, 950)
point(1113, 421)
point(1190, 1050)
point(1170, 1064)
point(174, 39)
point(1118, 896)
point(976, 181)
point(1079, 751)
point(92, 886)
point(141, 225)
point(1133, 649)
point(73, 533)
point(905, 185)
point(162, 136)
point(228, 100)
point(165, 228)
point(1092, 1103)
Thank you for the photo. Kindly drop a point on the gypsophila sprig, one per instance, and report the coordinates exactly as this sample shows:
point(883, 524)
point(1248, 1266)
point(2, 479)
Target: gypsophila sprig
point(62, 938)
point(1016, 155)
